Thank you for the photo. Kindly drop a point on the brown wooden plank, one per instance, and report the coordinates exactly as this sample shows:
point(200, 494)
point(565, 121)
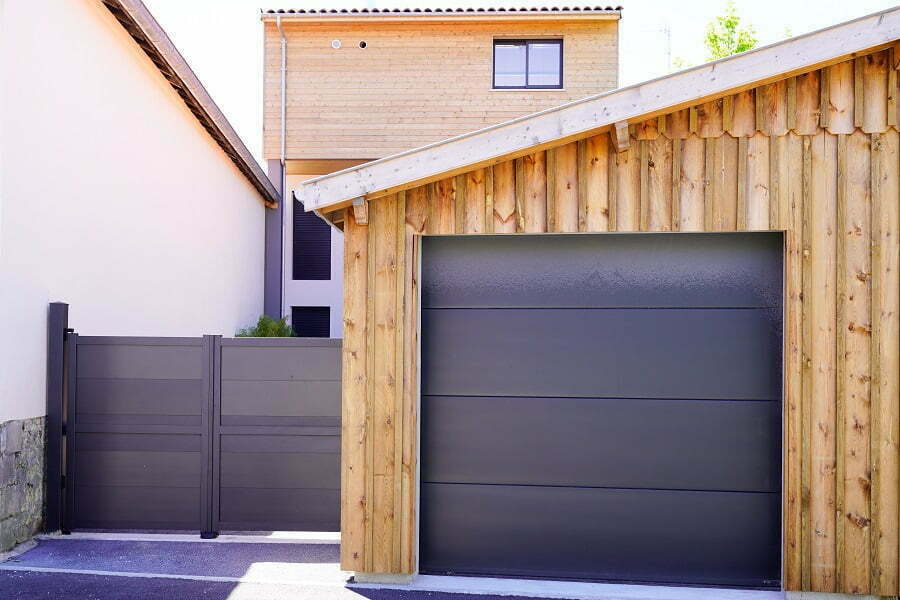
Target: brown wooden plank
point(566, 188)
point(647, 130)
point(858, 101)
point(875, 92)
point(822, 225)
point(475, 186)
point(534, 202)
point(612, 168)
point(459, 203)
point(385, 228)
point(774, 110)
point(520, 193)
point(441, 207)
point(417, 208)
point(354, 472)
point(678, 124)
point(489, 199)
point(709, 119)
point(806, 472)
point(628, 184)
point(788, 194)
point(840, 98)
point(743, 120)
point(853, 372)
point(893, 107)
point(659, 184)
point(550, 182)
point(722, 186)
point(691, 185)
point(806, 119)
point(410, 402)
point(757, 183)
point(885, 364)
point(505, 197)
point(397, 512)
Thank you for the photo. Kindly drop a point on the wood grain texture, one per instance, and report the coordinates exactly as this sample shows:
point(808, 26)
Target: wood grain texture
point(565, 183)
point(383, 242)
point(839, 108)
point(822, 223)
point(757, 183)
point(853, 372)
point(628, 189)
point(743, 119)
point(534, 193)
point(771, 108)
point(875, 92)
point(658, 196)
point(593, 181)
point(474, 216)
point(788, 195)
point(442, 206)
point(691, 185)
point(678, 124)
point(709, 119)
point(505, 197)
point(409, 404)
point(807, 116)
point(885, 363)
point(354, 375)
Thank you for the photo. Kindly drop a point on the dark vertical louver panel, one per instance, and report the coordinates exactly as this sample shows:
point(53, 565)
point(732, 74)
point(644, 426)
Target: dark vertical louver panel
point(312, 246)
point(311, 321)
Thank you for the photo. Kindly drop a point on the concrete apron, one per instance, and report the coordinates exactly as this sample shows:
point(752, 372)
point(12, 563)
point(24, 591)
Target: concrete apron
point(574, 589)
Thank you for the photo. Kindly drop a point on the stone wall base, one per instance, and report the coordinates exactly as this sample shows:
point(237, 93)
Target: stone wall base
point(21, 480)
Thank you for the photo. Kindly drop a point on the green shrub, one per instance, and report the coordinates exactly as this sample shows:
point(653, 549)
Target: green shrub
point(268, 327)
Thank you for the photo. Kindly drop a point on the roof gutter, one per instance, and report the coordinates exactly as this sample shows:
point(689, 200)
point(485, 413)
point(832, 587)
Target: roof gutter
point(152, 39)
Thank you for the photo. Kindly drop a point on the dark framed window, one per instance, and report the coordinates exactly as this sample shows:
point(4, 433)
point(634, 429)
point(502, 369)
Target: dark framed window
point(528, 64)
point(311, 321)
point(311, 246)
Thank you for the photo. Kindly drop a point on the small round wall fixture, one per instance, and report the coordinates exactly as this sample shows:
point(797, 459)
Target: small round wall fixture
point(363, 44)
point(335, 44)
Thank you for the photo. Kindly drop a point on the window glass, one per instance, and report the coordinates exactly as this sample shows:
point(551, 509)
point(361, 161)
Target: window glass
point(509, 64)
point(543, 63)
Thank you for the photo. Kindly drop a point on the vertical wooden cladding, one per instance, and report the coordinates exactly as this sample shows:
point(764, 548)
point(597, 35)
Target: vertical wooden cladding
point(815, 156)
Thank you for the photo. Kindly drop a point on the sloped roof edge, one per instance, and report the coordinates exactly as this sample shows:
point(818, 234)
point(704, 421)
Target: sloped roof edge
point(152, 39)
point(580, 117)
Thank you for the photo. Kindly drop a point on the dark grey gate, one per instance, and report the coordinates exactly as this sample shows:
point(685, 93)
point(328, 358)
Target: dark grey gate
point(603, 407)
point(203, 434)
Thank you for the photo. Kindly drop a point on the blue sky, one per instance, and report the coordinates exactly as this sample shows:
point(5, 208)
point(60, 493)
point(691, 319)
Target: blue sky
point(222, 39)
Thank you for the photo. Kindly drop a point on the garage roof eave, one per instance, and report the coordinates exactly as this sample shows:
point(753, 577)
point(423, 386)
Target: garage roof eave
point(594, 113)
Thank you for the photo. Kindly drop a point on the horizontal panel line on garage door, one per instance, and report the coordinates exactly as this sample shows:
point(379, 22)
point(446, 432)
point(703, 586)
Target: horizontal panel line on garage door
point(488, 397)
point(606, 487)
point(686, 308)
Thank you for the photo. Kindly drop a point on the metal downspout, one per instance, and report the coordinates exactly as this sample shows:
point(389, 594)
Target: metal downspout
point(283, 151)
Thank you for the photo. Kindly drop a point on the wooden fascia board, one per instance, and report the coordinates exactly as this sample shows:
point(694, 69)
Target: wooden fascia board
point(582, 117)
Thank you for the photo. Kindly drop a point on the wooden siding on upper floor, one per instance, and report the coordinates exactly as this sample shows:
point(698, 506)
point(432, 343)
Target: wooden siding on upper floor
point(816, 156)
point(414, 83)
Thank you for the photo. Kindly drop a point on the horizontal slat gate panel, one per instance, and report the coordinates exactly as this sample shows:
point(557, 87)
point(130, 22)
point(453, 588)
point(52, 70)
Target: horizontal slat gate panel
point(603, 353)
point(278, 435)
point(651, 536)
point(475, 440)
point(602, 271)
point(139, 442)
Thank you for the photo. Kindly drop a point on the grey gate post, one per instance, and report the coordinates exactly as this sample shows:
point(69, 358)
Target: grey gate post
point(57, 324)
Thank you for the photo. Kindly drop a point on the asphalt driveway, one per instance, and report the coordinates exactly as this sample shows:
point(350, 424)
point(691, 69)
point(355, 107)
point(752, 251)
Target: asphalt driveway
point(71, 567)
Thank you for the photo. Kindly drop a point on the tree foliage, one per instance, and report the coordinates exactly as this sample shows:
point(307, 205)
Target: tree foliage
point(266, 326)
point(726, 35)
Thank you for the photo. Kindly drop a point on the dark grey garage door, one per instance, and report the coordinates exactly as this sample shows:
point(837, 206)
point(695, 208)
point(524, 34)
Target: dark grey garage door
point(603, 407)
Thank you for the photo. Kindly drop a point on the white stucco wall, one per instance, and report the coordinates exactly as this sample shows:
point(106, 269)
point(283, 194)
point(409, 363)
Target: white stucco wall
point(113, 198)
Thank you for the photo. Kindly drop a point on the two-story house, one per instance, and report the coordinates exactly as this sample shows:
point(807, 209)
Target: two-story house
point(343, 87)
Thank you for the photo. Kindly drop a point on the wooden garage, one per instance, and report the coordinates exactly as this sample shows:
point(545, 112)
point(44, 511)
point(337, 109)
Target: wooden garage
point(681, 175)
